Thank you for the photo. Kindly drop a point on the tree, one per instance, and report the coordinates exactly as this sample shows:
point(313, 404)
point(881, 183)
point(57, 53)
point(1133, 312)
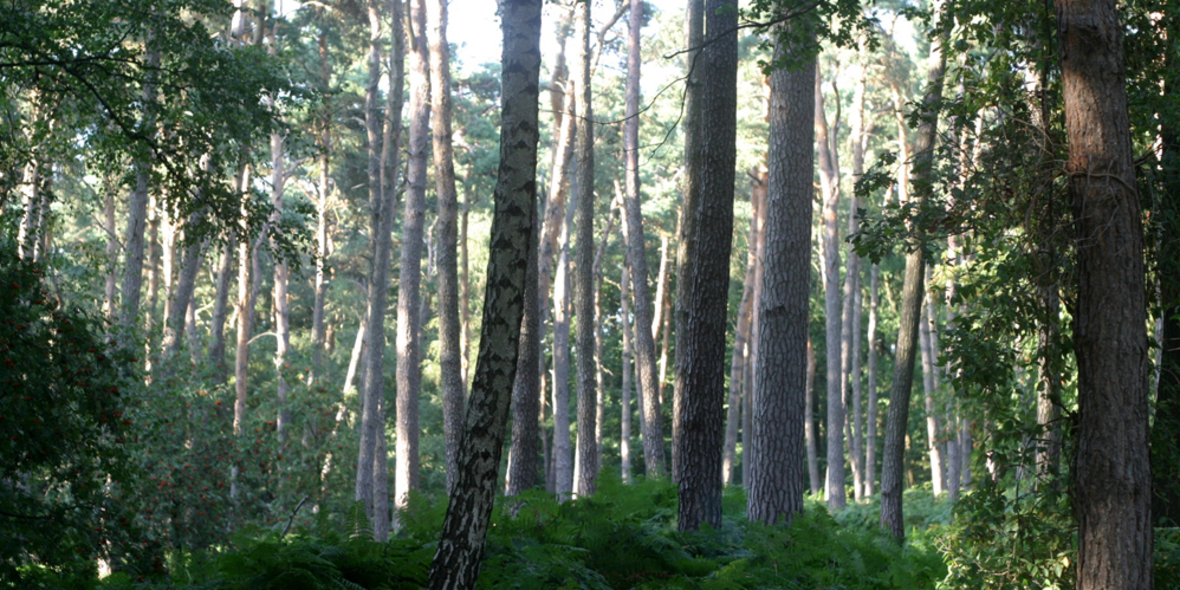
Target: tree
point(460, 548)
point(893, 459)
point(450, 345)
point(700, 375)
point(372, 479)
point(1112, 499)
point(777, 482)
point(645, 344)
point(587, 452)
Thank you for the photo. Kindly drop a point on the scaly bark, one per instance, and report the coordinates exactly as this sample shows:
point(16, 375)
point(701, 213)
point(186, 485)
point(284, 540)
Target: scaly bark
point(460, 549)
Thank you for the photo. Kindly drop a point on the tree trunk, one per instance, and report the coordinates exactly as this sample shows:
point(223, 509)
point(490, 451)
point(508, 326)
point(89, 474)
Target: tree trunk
point(929, 384)
point(776, 485)
point(137, 207)
point(245, 311)
point(409, 301)
point(599, 354)
point(741, 337)
point(830, 183)
point(460, 549)
point(700, 375)
point(850, 336)
point(281, 272)
point(686, 242)
point(450, 345)
point(633, 233)
point(182, 295)
point(526, 389)
point(625, 420)
point(587, 453)
point(112, 250)
point(220, 306)
point(871, 407)
point(809, 426)
point(372, 482)
point(1113, 490)
point(563, 466)
point(321, 232)
point(893, 465)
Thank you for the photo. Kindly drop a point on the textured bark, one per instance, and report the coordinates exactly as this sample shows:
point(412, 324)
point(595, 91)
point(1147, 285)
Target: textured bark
point(563, 464)
point(587, 453)
point(645, 344)
point(409, 301)
point(809, 426)
point(456, 564)
point(776, 489)
point(686, 242)
point(527, 393)
point(1113, 479)
point(450, 343)
point(893, 463)
point(700, 375)
point(870, 441)
point(625, 395)
point(133, 245)
point(32, 205)
point(929, 384)
point(220, 306)
point(321, 232)
point(830, 187)
point(850, 335)
point(372, 483)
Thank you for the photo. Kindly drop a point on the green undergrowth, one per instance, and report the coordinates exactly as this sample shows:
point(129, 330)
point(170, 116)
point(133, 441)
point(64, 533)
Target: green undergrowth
point(624, 537)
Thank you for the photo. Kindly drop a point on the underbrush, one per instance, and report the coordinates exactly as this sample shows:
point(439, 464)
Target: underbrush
point(624, 537)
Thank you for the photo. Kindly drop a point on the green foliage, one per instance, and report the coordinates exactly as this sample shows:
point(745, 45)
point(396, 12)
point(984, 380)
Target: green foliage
point(62, 430)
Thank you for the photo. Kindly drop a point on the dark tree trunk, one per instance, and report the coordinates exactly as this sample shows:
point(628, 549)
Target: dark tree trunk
point(700, 375)
point(893, 463)
point(1111, 470)
point(460, 549)
point(524, 453)
point(776, 489)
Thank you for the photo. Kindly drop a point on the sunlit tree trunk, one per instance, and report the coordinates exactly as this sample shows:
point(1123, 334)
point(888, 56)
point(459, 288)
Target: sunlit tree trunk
point(929, 384)
point(851, 335)
point(587, 453)
point(460, 549)
point(563, 466)
point(870, 441)
point(830, 187)
point(776, 482)
point(450, 345)
point(893, 465)
point(625, 395)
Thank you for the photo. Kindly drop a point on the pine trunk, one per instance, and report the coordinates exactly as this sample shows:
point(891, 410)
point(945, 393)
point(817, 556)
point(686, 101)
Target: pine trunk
point(830, 186)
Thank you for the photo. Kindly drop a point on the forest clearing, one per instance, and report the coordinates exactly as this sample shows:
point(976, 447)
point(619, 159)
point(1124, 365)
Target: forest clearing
point(669, 294)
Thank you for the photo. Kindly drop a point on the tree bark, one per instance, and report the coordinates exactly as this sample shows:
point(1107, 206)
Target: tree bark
point(563, 465)
point(372, 483)
point(830, 186)
point(245, 311)
point(893, 465)
point(851, 335)
point(625, 395)
point(809, 426)
point(633, 234)
point(871, 407)
point(133, 245)
point(450, 344)
point(587, 452)
point(929, 384)
point(1113, 490)
point(321, 232)
point(526, 388)
point(182, 295)
point(700, 375)
point(776, 485)
point(460, 549)
point(220, 306)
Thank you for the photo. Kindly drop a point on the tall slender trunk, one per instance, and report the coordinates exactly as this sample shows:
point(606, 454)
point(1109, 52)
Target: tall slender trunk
point(633, 233)
point(741, 339)
point(282, 323)
point(587, 453)
point(372, 480)
point(893, 465)
point(830, 186)
point(182, 296)
point(527, 392)
point(220, 308)
point(691, 190)
point(625, 395)
point(112, 250)
point(460, 549)
point(450, 346)
point(809, 426)
point(870, 440)
point(31, 201)
point(933, 448)
point(321, 232)
point(245, 311)
point(776, 483)
point(133, 244)
point(599, 345)
point(563, 466)
point(153, 271)
point(851, 335)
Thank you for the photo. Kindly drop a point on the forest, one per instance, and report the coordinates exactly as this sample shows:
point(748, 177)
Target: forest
point(703, 294)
